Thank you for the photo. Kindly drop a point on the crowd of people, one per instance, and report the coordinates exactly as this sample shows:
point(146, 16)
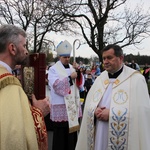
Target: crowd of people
point(145, 70)
point(115, 110)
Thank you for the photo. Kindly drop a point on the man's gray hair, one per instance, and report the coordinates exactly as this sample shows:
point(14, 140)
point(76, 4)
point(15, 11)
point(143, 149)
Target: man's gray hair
point(10, 34)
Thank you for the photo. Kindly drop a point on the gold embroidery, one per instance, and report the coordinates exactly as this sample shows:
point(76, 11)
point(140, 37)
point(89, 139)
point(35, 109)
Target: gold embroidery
point(120, 97)
point(106, 82)
point(7, 78)
point(73, 129)
point(97, 95)
point(117, 81)
point(119, 112)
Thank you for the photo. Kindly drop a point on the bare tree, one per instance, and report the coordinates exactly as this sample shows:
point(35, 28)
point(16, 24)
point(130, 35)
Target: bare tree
point(36, 17)
point(105, 22)
point(100, 22)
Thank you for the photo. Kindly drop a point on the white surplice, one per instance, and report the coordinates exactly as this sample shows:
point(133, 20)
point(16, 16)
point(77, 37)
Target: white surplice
point(65, 99)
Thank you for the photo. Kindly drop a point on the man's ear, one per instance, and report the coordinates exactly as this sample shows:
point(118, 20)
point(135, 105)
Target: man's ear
point(12, 48)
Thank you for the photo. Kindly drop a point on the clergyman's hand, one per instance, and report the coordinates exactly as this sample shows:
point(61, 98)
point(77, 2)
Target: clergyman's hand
point(102, 113)
point(98, 112)
point(73, 75)
point(43, 105)
point(104, 116)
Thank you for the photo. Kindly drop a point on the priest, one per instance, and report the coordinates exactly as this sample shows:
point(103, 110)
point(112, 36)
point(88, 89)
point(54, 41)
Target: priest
point(65, 100)
point(117, 110)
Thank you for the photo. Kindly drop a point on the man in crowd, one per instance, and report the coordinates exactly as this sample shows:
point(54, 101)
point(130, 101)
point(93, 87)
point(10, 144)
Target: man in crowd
point(21, 125)
point(117, 108)
point(134, 65)
point(146, 72)
point(65, 100)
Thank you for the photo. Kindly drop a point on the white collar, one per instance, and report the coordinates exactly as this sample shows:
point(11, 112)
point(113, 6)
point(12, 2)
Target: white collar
point(6, 66)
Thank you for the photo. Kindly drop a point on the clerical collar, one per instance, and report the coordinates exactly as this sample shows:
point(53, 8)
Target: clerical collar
point(66, 66)
point(6, 66)
point(116, 74)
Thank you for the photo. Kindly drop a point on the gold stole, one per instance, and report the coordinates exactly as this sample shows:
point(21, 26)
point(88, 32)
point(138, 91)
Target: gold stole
point(39, 124)
point(71, 101)
point(92, 104)
point(119, 117)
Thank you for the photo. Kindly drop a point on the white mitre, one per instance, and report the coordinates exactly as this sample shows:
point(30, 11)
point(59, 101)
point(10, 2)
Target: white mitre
point(64, 48)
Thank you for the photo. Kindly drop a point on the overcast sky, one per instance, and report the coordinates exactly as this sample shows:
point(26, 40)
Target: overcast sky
point(144, 48)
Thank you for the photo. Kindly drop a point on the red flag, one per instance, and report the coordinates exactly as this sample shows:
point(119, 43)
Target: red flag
point(147, 70)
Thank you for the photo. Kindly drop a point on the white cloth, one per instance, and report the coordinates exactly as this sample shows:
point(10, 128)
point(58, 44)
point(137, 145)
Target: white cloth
point(6, 66)
point(101, 137)
point(139, 110)
point(53, 75)
point(60, 88)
